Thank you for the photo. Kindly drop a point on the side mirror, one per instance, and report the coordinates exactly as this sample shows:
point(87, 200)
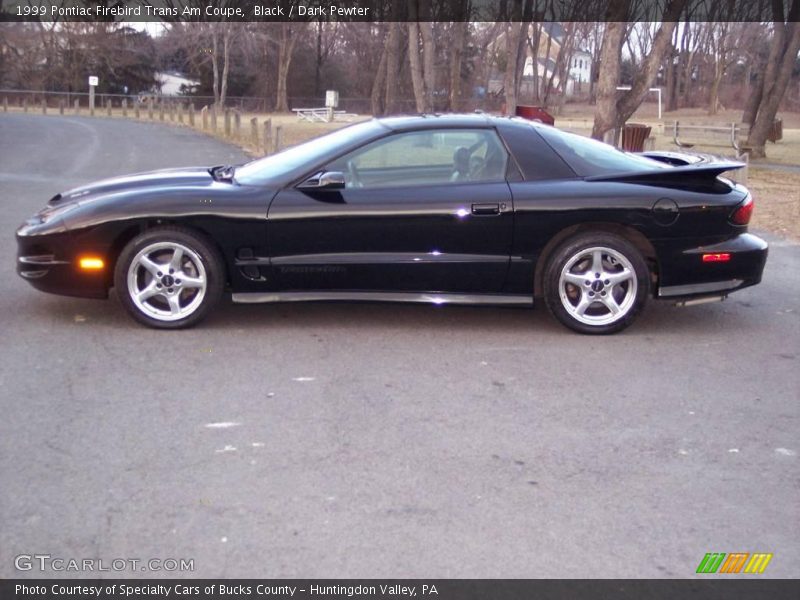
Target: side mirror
point(326, 180)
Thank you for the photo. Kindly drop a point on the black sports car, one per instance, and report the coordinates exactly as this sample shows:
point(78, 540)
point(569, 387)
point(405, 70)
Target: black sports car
point(468, 209)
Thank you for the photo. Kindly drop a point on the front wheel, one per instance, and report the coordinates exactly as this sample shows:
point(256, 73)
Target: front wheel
point(596, 283)
point(169, 278)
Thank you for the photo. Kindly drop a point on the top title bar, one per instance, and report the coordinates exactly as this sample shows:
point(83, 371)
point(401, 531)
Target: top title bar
point(399, 10)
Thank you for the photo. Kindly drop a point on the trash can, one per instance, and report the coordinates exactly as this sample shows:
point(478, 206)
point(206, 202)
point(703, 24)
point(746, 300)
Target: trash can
point(634, 135)
point(776, 131)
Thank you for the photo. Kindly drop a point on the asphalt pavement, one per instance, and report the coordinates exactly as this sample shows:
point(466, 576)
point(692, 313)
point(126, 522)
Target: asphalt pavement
point(367, 440)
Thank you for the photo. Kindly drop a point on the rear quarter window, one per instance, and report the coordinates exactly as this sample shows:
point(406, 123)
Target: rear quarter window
point(536, 159)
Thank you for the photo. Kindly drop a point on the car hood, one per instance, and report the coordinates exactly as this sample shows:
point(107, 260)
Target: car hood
point(184, 177)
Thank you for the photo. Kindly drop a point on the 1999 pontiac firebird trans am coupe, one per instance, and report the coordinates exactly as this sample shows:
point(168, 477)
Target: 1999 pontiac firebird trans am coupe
point(467, 209)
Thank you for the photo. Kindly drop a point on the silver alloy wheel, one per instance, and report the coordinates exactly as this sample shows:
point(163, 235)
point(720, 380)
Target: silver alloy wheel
point(167, 281)
point(597, 286)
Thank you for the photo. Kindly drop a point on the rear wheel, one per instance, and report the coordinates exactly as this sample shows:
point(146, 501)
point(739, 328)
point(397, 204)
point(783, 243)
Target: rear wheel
point(596, 283)
point(169, 278)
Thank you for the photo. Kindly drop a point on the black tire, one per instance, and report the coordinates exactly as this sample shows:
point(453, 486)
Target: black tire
point(176, 303)
point(623, 283)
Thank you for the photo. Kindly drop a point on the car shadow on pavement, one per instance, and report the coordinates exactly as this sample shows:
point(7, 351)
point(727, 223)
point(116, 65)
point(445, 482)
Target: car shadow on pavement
point(658, 316)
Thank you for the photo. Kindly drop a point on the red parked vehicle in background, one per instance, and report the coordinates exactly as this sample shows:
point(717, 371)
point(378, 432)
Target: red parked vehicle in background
point(535, 113)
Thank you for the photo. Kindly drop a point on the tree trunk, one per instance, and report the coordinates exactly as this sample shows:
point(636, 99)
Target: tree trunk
point(775, 82)
point(318, 61)
point(754, 97)
point(605, 115)
point(513, 33)
point(226, 55)
point(534, 46)
point(670, 68)
point(379, 84)
point(510, 80)
point(392, 67)
point(416, 67)
point(522, 52)
point(611, 114)
point(713, 95)
point(215, 65)
point(456, 54)
point(285, 50)
point(428, 62)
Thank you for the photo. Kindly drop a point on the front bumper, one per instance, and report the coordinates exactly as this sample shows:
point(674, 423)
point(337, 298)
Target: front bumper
point(683, 274)
point(50, 263)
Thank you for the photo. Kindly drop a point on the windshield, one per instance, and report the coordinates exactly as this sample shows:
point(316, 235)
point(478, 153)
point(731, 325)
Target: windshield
point(589, 157)
point(308, 153)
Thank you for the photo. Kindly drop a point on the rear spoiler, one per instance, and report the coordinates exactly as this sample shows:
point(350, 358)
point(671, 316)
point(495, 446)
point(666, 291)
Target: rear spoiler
point(700, 173)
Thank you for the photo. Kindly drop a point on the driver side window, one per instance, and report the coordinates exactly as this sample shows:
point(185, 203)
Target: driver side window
point(427, 157)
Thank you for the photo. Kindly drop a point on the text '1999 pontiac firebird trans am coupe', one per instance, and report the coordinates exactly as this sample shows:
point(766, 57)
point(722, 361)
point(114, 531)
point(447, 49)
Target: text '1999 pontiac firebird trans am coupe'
point(462, 209)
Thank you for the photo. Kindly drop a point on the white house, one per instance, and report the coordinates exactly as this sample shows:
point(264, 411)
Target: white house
point(580, 72)
point(543, 66)
point(174, 84)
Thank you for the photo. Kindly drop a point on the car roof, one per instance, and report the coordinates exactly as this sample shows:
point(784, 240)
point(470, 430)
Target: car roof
point(437, 121)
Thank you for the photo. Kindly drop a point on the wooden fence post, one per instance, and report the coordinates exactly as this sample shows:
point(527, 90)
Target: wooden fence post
point(136, 111)
point(191, 114)
point(77, 106)
point(180, 112)
point(124, 104)
point(237, 124)
point(278, 138)
point(204, 115)
point(61, 106)
point(227, 122)
point(149, 110)
point(44, 106)
point(25, 105)
point(109, 102)
point(268, 136)
point(160, 111)
point(213, 118)
point(254, 132)
point(5, 103)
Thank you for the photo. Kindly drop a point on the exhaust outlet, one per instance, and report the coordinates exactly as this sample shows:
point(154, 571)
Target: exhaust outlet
point(696, 301)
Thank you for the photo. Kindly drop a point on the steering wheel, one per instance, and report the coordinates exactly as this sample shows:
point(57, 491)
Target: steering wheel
point(355, 178)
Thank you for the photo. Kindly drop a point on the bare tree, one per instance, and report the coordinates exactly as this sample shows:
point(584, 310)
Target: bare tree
point(325, 41)
point(377, 96)
point(513, 34)
point(286, 41)
point(784, 48)
point(456, 55)
point(393, 43)
point(612, 111)
point(423, 75)
point(221, 35)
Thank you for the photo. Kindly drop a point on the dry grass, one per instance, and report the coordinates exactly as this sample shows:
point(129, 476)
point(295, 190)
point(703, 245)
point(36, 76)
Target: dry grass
point(777, 197)
point(648, 112)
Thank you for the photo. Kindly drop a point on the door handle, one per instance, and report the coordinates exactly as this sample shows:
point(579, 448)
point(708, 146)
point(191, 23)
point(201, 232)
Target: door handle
point(486, 209)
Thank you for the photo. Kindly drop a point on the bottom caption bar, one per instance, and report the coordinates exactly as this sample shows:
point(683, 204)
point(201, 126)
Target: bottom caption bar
point(396, 589)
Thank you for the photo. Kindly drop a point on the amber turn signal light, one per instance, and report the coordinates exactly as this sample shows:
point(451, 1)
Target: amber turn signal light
point(91, 263)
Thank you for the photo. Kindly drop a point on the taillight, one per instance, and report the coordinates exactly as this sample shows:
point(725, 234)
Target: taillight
point(717, 257)
point(743, 212)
